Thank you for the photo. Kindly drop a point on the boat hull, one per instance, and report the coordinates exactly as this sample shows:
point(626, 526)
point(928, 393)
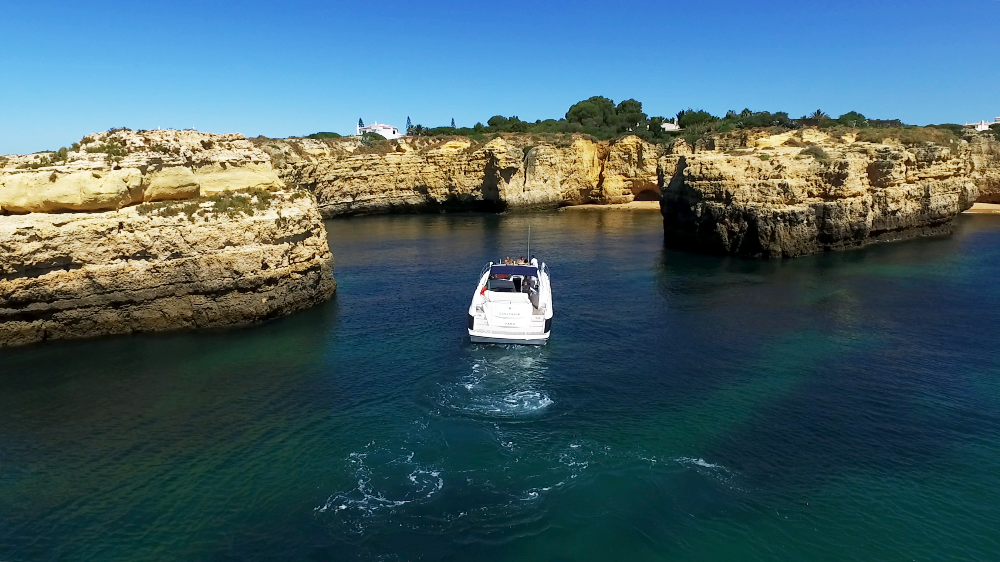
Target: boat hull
point(527, 339)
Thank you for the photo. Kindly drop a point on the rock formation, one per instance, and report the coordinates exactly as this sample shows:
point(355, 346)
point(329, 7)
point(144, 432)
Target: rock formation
point(505, 173)
point(774, 198)
point(107, 171)
point(202, 256)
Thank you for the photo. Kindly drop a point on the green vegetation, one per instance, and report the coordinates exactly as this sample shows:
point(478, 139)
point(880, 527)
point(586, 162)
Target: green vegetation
point(816, 152)
point(369, 139)
point(323, 135)
point(911, 135)
point(113, 149)
point(228, 203)
point(599, 118)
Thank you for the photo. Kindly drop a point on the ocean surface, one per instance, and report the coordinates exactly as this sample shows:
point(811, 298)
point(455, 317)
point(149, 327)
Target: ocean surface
point(837, 407)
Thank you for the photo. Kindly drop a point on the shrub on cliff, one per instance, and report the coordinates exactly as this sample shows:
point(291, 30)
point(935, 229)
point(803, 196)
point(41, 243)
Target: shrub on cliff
point(816, 152)
point(909, 135)
point(368, 139)
point(323, 135)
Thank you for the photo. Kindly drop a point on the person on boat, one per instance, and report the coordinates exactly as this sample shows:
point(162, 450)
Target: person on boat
point(506, 260)
point(534, 261)
point(520, 261)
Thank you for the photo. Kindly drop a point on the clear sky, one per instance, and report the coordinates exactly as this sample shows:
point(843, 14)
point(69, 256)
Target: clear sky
point(295, 67)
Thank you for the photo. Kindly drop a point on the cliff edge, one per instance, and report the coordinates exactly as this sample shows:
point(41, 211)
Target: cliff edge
point(508, 172)
point(163, 239)
point(805, 191)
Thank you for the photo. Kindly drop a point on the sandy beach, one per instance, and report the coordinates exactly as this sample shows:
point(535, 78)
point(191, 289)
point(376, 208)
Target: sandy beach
point(633, 206)
point(988, 208)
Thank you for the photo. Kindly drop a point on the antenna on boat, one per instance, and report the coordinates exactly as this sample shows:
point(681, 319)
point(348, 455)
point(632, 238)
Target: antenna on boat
point(529, 244)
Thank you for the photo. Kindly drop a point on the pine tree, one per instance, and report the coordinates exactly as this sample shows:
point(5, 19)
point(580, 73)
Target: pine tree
point(360, 122)
point(409, 124)
point(452, 122)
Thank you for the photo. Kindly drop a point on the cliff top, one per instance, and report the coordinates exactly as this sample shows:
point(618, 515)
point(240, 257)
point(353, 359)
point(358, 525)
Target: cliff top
point(126, 148)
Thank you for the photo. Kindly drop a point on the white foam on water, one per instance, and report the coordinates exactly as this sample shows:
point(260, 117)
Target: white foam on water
point(381, 484)
point(500, 383)
point(700, 462)
point(714, 470)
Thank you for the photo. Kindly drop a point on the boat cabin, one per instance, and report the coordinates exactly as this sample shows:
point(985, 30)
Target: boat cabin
point(512, 278)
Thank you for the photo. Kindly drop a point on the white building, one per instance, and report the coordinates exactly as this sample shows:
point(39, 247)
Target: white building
point(983, 125)
point(387, 131)
point(668, 126)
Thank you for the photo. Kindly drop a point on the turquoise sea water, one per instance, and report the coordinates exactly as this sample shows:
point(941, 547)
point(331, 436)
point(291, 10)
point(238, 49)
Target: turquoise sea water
point(836, 407)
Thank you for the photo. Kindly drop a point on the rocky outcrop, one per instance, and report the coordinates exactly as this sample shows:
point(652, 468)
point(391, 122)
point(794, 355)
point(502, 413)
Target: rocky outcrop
point(427, 174)
point(150, 231)
point(984, 167)
point(153, 268)
point(107, 171)
point(770, 199)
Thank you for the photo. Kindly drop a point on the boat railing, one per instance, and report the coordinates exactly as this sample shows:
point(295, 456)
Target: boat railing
point(485, 269)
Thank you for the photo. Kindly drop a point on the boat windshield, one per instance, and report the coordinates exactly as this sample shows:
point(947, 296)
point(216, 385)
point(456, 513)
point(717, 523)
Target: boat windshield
point(500, 285)
point(512, 279)
point(523, 270)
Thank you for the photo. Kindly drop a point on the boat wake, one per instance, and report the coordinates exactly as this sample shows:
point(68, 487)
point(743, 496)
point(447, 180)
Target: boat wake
point(387, 479)
point(500, 382)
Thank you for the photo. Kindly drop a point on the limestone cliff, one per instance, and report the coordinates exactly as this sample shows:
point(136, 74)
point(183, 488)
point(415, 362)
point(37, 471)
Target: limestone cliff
point(506, 173)
point(110, 170)
point(151, 268)
point(771, 197)
point(153, 230)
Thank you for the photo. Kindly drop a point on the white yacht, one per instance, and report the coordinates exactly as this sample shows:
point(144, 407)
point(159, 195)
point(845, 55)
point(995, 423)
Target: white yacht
point(512, 304)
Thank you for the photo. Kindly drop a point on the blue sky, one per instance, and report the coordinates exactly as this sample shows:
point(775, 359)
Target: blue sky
point(297, 67)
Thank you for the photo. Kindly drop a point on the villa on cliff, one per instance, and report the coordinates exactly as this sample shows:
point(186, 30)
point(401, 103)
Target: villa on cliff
point(983, 125)
point(387, 131)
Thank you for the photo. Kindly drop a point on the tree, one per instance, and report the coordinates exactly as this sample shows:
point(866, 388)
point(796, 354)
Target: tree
point(596, 111)
point(452, 122)
point(629, 115)
point(689, 117)
point(818, 115)
point(497, 122)
point(360, 122)
point(409, 124)
point(853, 119)
point(656, 127)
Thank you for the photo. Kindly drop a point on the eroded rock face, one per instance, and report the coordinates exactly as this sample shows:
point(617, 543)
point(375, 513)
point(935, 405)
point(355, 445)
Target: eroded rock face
point(118, 168)
point(776, 201)
point(505, 173)
point(73, 275)
point(984, 168)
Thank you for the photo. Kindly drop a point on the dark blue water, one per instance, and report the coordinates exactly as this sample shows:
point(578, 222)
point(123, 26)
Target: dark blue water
point(835, 407)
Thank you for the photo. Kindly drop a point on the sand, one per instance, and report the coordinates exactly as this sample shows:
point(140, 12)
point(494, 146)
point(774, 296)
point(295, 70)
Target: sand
point(985, 208)
point(633, 206)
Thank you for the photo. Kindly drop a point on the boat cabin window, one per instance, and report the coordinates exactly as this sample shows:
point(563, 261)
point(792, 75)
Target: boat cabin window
point(501, 285)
